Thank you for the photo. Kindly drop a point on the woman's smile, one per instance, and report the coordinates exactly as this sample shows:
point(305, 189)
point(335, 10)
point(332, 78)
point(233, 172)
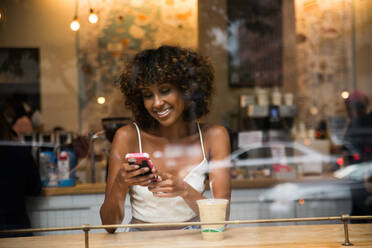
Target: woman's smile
point(164, 102)
point(164, 114)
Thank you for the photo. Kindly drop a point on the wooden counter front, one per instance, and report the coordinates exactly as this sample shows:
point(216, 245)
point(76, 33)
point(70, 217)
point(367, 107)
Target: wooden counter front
point(309, 236)
point(98, 188)
point(79, 189)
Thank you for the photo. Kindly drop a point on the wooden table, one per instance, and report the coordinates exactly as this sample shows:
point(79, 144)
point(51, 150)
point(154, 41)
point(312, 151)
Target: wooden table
point(264, 236)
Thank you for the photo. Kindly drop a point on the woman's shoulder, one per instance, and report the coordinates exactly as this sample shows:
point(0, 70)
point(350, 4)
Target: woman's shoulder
point(217, 140)
point(213, 130)
point(126, 133)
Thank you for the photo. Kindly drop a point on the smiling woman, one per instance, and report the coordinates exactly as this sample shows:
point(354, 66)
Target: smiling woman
point(167, 89)
point(163, 101)
point(190, 72)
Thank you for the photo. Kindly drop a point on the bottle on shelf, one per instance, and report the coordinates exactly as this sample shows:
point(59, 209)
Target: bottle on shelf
point(65, 160)
point(47, 161)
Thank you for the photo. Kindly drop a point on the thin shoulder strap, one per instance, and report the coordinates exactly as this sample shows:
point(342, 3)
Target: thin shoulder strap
point(139, 137)
point(201, 140)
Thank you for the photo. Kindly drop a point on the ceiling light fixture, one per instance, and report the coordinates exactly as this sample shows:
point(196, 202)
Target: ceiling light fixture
point(101, 100)
point(75, 25)
point(93, 18)
point(345, 94)
point(2, 15)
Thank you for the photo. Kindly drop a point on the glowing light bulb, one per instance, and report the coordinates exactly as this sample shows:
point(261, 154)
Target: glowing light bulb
point(345, 94)
point(2, 16)
point(75, 25)
point(314, 110)
point(93, 18)
point(101, 100)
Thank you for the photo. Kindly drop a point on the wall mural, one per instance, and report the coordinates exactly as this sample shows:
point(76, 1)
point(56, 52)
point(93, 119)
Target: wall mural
point(324, 57)
point(124, 28)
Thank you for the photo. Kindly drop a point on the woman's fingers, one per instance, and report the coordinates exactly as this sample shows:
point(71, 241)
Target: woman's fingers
point(145, 183)
point(162, 183)
point(137, 172)
point(140, 180)
point(164, 191)
point(133, 175)
point(130, 167)
point(163, 175)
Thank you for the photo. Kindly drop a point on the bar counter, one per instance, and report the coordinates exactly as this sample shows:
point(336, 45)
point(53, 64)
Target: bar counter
point(310, 236)
point(97, 188)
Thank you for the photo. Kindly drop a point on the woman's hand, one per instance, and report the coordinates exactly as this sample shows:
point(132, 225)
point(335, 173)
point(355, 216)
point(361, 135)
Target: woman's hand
point(132, 175)
point(168, 185)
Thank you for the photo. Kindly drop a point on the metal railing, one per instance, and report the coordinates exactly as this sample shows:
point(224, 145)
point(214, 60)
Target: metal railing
point(86, 228)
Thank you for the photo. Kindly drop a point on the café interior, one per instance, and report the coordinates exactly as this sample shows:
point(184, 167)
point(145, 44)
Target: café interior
point(286, 74)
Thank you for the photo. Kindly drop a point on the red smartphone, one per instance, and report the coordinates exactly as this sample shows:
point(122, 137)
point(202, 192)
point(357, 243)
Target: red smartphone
point(141, 159)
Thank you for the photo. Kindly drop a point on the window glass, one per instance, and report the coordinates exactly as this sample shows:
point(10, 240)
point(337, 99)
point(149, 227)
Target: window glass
point(292, 88)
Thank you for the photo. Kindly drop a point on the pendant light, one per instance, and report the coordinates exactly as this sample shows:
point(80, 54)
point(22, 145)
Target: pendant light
point(75, 25)
point(93, 18)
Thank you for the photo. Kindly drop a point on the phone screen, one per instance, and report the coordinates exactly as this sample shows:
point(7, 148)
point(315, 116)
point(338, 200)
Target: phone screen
point(141, 159)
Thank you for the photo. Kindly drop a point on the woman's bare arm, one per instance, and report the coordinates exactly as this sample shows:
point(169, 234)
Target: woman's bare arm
point(112, 209)
point(219, 166)
point(217, 146)
point(121, 175)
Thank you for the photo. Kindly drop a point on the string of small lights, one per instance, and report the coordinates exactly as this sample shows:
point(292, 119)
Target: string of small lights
point(93, 17)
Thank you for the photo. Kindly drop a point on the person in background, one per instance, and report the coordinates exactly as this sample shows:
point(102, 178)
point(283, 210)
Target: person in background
point(16, 115)
point(36, 118)
point(358, 136)
point(167, 89)
point(358, 147)
point(32, 112)
point(19, 177)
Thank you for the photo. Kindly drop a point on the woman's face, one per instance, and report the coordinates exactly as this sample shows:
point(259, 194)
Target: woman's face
point(164, 102)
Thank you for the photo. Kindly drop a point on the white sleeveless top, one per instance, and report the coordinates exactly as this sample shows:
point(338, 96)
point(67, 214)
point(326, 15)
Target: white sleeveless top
point(148, 208)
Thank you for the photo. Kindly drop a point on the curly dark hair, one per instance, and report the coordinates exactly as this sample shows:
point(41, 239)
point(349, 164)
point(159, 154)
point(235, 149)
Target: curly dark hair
point(190, 72)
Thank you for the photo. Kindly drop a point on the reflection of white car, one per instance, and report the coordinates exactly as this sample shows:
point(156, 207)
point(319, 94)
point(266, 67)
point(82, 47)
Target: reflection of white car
point(301, 158)
point(321, 197)
point(356, 172)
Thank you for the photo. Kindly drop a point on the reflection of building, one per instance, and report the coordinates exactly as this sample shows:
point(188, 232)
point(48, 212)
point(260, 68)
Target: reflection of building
point(324, 57)
point(258, 59)
point(20, 74)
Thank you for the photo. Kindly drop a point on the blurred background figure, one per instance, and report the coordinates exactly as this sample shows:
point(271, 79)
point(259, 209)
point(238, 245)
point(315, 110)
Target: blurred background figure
point(358, 136)
point(19, 177)
point(32, 110)
point(358, 150)
point(16, 115)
